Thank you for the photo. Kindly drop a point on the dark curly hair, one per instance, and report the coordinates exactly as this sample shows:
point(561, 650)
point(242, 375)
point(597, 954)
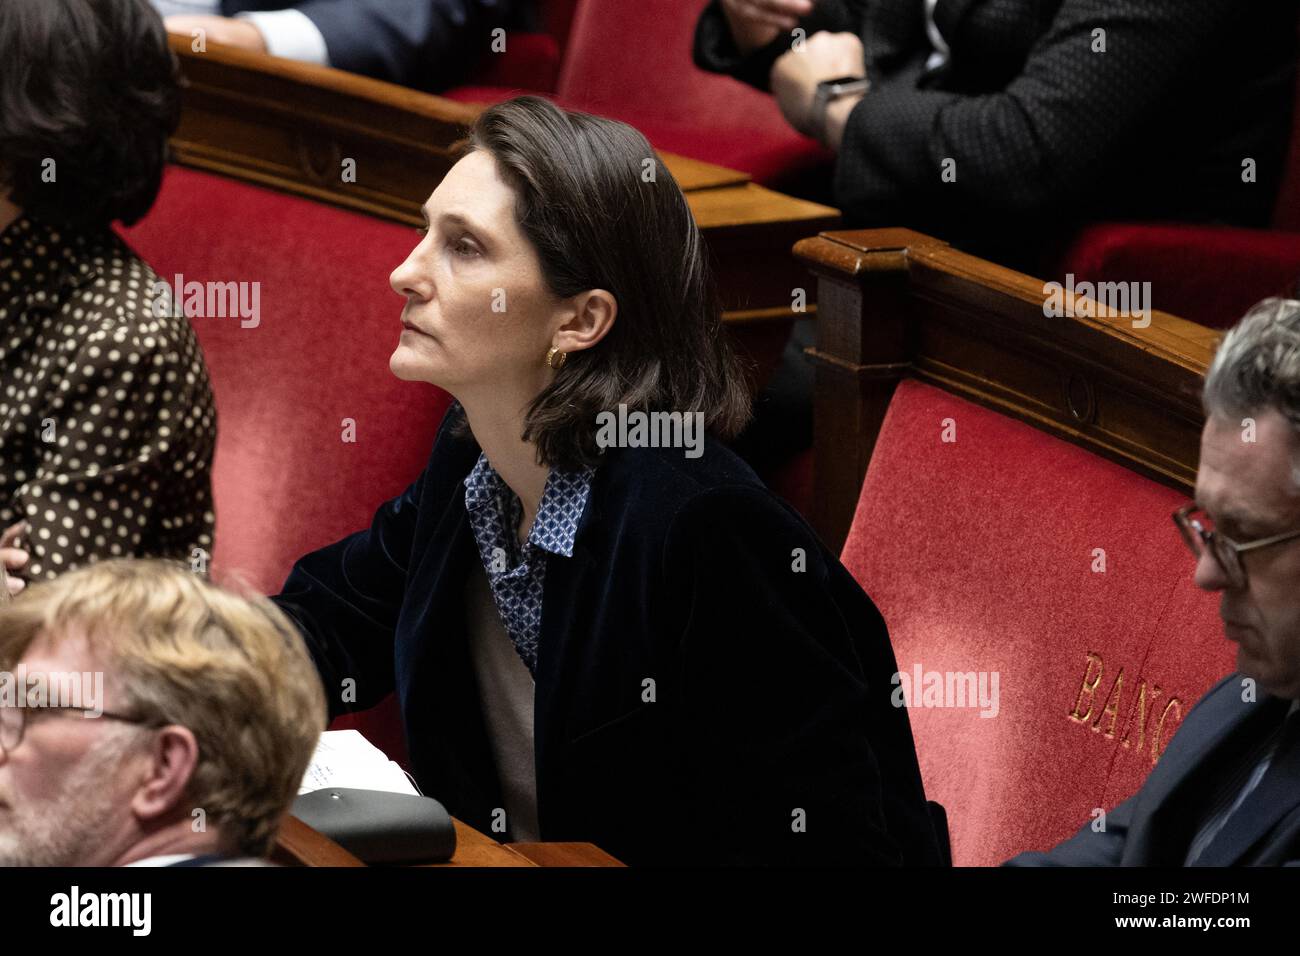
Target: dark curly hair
point(92, 86)
point(598, 222)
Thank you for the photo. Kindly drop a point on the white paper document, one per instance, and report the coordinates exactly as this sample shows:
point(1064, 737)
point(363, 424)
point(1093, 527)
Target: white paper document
point(344, 758)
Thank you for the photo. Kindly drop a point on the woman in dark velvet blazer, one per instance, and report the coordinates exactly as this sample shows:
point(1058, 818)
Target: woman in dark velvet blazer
point(689, 676)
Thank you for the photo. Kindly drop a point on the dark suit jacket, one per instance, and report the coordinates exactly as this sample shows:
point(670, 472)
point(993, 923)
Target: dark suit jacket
point(1155, 826)
point(1046, 133)
point(427, 44)
point(771, 685)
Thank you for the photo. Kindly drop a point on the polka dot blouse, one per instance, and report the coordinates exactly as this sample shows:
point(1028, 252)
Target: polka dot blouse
point(107, 425)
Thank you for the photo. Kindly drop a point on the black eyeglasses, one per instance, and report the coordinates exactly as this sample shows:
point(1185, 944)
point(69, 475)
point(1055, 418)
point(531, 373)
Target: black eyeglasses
point(14, 720)
point(1198, 531)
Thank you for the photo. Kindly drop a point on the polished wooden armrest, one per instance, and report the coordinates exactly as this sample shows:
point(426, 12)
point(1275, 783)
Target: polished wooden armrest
point(564, 854)
point(893, 304)
point(300, 845)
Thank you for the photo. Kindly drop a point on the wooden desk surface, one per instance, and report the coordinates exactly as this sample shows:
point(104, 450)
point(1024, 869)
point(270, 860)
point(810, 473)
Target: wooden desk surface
point(478, 849)
point(694, 174)
point(748, 204)
point(300, 845)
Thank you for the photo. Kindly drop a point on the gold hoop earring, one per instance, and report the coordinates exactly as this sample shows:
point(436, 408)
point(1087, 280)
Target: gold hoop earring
point(555, 358)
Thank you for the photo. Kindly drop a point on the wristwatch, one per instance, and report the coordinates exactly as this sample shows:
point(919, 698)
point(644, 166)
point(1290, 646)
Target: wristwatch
point(828, 90)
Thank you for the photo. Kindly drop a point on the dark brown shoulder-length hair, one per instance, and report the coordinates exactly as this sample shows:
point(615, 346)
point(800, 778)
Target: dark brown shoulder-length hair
point(88, 97)
point(603, 212)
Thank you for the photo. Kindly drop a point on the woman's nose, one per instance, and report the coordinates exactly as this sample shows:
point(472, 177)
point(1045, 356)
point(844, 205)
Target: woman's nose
point(408, 279)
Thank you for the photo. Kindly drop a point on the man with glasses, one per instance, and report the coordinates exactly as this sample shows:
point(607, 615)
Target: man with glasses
point(149, 718)
point(1226, 791)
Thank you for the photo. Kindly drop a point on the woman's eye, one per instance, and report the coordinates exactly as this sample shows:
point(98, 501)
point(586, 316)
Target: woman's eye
point(464, 248)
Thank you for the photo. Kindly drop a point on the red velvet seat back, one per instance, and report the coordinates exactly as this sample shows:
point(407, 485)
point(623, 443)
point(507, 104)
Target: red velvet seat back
point(285, 480)
point(637, 57)
point(557, 19)
point(982, 554)
point(1209, 274)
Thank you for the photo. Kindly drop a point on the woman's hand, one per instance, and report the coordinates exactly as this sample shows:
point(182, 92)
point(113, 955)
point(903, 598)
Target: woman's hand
point(756, 23)
point(13, 557)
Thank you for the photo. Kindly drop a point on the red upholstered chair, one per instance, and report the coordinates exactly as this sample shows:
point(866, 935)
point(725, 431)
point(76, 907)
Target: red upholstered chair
point(1209, 274)
point(1014, 519)
point(286, 479)
point(982, 554)
point(632, 61)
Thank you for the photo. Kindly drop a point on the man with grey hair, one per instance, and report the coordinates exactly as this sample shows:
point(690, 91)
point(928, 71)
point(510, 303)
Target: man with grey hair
point(1226, 792)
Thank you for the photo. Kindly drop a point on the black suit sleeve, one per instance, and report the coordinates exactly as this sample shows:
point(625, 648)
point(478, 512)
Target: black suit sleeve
point(345, 599)
point(428, 44)
point(775, 704)
point(1088, 847)
point(1026, 151)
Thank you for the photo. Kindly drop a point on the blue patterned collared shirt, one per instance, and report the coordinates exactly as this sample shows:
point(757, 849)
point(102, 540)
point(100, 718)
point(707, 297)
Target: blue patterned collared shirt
point(516, 574)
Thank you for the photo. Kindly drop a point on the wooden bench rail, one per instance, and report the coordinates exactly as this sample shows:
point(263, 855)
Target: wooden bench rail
point(894, 303)
point(291, 126)
point(298, 844)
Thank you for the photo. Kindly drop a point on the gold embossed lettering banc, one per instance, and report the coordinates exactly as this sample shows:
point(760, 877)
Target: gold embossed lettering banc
point(1149, 717)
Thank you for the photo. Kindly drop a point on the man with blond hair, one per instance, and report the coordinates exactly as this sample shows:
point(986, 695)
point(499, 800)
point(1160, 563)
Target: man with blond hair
point(148, 717)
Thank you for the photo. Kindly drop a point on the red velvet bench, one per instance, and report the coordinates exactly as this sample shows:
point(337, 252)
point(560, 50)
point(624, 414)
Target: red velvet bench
point(1014, 518)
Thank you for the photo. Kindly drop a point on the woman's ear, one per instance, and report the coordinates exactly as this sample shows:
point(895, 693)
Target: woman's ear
point(592, 318)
